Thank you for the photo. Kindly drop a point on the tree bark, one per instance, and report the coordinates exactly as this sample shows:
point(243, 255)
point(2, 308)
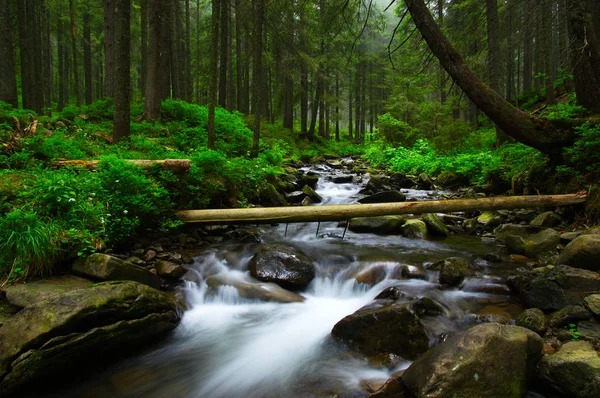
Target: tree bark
point(87, 56)
point(223, 63)
point(545, 135)
point(584, 55)
point(144, 45)
point(527, 45)
point(8, 71)
point(214, 61)
point(152, 91)
point(257, 98)
point(122, 81)
point(294, 214)
point(74, 54)
point(30, 55)
point(109, 29)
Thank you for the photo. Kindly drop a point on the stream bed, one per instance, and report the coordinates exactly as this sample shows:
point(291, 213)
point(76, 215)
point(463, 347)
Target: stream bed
point(228, 346)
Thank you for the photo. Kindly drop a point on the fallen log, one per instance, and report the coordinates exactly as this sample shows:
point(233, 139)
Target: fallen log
point(267, 215)
point(175, 165)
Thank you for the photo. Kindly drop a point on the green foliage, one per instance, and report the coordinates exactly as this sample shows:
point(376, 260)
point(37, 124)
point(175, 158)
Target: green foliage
point(395, 131)
point(27, 244)
point(584, 155)
point(575, 335)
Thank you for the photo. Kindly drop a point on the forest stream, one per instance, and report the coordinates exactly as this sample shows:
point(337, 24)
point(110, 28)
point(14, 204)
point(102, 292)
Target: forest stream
point(228, 346)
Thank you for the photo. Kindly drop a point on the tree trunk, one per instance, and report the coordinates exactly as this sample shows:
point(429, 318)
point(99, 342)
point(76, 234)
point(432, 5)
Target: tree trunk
point(214, 61)
point(584, 55)
point(223, 63)
point(545, 135)
point(350, 107)
point(74, 53)
point(46, 51)
point(527, 45)
point(87, 56)
point(122, 81)
point(257, 89)
point(152, 90)
point(144, 45)
point(31, 74)
point(546, 42)
point(292, 214)
point(440, 9)
point(166, 47)
point(337, 107)
point(109, 29)
point(63, 93)
point(8, 71)
point(239, 56)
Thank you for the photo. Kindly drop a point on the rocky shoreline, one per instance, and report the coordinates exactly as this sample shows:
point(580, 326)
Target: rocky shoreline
point(111, 301)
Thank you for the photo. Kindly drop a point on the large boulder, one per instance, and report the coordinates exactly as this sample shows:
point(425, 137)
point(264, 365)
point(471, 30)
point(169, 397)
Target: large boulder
point(26, 294)
point(312, 194)
point(548, 219)
point(414, 228)
point(533, 319)
point(283, 265)
point(251, 289)
point(376, 184)
point(592, 303)
point(489, 219)
point(454, 270)
point(582, 252)
point(308, 179)
point(435, 226)
point(573, 371)
point(169, 270)
point(392, 327)
point(271, 197)
point(534, 245)
point(505, 230)
point(568, 314)
point(104, 267)
point(376, 225)
point(66, 333)
point(552, 288)
point(452, 180)
point(384, 197)
point(488, 360)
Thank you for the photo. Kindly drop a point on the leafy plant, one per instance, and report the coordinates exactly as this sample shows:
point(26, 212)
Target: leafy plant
point(575, 335)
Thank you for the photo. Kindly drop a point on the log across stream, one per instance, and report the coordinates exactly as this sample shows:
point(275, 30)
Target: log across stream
point(268, 215)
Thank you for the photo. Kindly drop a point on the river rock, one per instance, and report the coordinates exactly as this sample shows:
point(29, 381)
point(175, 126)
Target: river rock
point(384, 197)
point(551, 288)
point(452, 180)
point(375, 184)
point(306, 201)
point(533, 319)
point(573, 371)
point(169, 270)
point(532, 246)
point(295, 197)
point(435, 226)
point(505, 230)
point(308, 179)
point(394, 293)
point(345, 179)
point(488, 360)
point(395, 328)
point(592, 303)
point(453, 270)
point(582, 252)
point(489, 219)
point(104, 267)
point(26, 294)
point(312, 194)
point(414, 228)
point(283, 265)
point(589, 330)
point(56, 337)
point(547, 219)
point(251, 289)
point(424, 181)
point(376, 225)
point(271, 197)
point(567, 315)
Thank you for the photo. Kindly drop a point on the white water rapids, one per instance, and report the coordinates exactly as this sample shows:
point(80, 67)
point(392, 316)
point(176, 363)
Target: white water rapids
point(228, 346)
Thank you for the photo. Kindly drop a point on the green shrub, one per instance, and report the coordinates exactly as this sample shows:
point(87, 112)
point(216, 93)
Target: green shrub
point(584, 155)
point(395, 131)
point(28, 245)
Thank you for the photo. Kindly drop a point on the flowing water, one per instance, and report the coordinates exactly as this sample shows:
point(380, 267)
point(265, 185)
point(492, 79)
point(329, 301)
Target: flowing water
point(228, 346)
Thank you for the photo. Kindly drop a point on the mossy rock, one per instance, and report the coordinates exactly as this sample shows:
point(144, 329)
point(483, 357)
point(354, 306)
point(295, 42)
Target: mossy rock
point(26, 294)
point(534, 245)
point(312, 194)
point(453, 270)
point(286, 266)
point(533, 319)
point(384, 197)
point(252, 289)
point(104, 267)
point(435, 226)
point(414, 228)
point(488, 360)
point(54, 338)
point(505, 230)
point(395, 328)
point(573, 371)
point(376, 225)
point(582, 252)
point(548, 219)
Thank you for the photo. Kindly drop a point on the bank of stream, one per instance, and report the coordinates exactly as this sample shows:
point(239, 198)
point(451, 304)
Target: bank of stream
point(230, 346)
